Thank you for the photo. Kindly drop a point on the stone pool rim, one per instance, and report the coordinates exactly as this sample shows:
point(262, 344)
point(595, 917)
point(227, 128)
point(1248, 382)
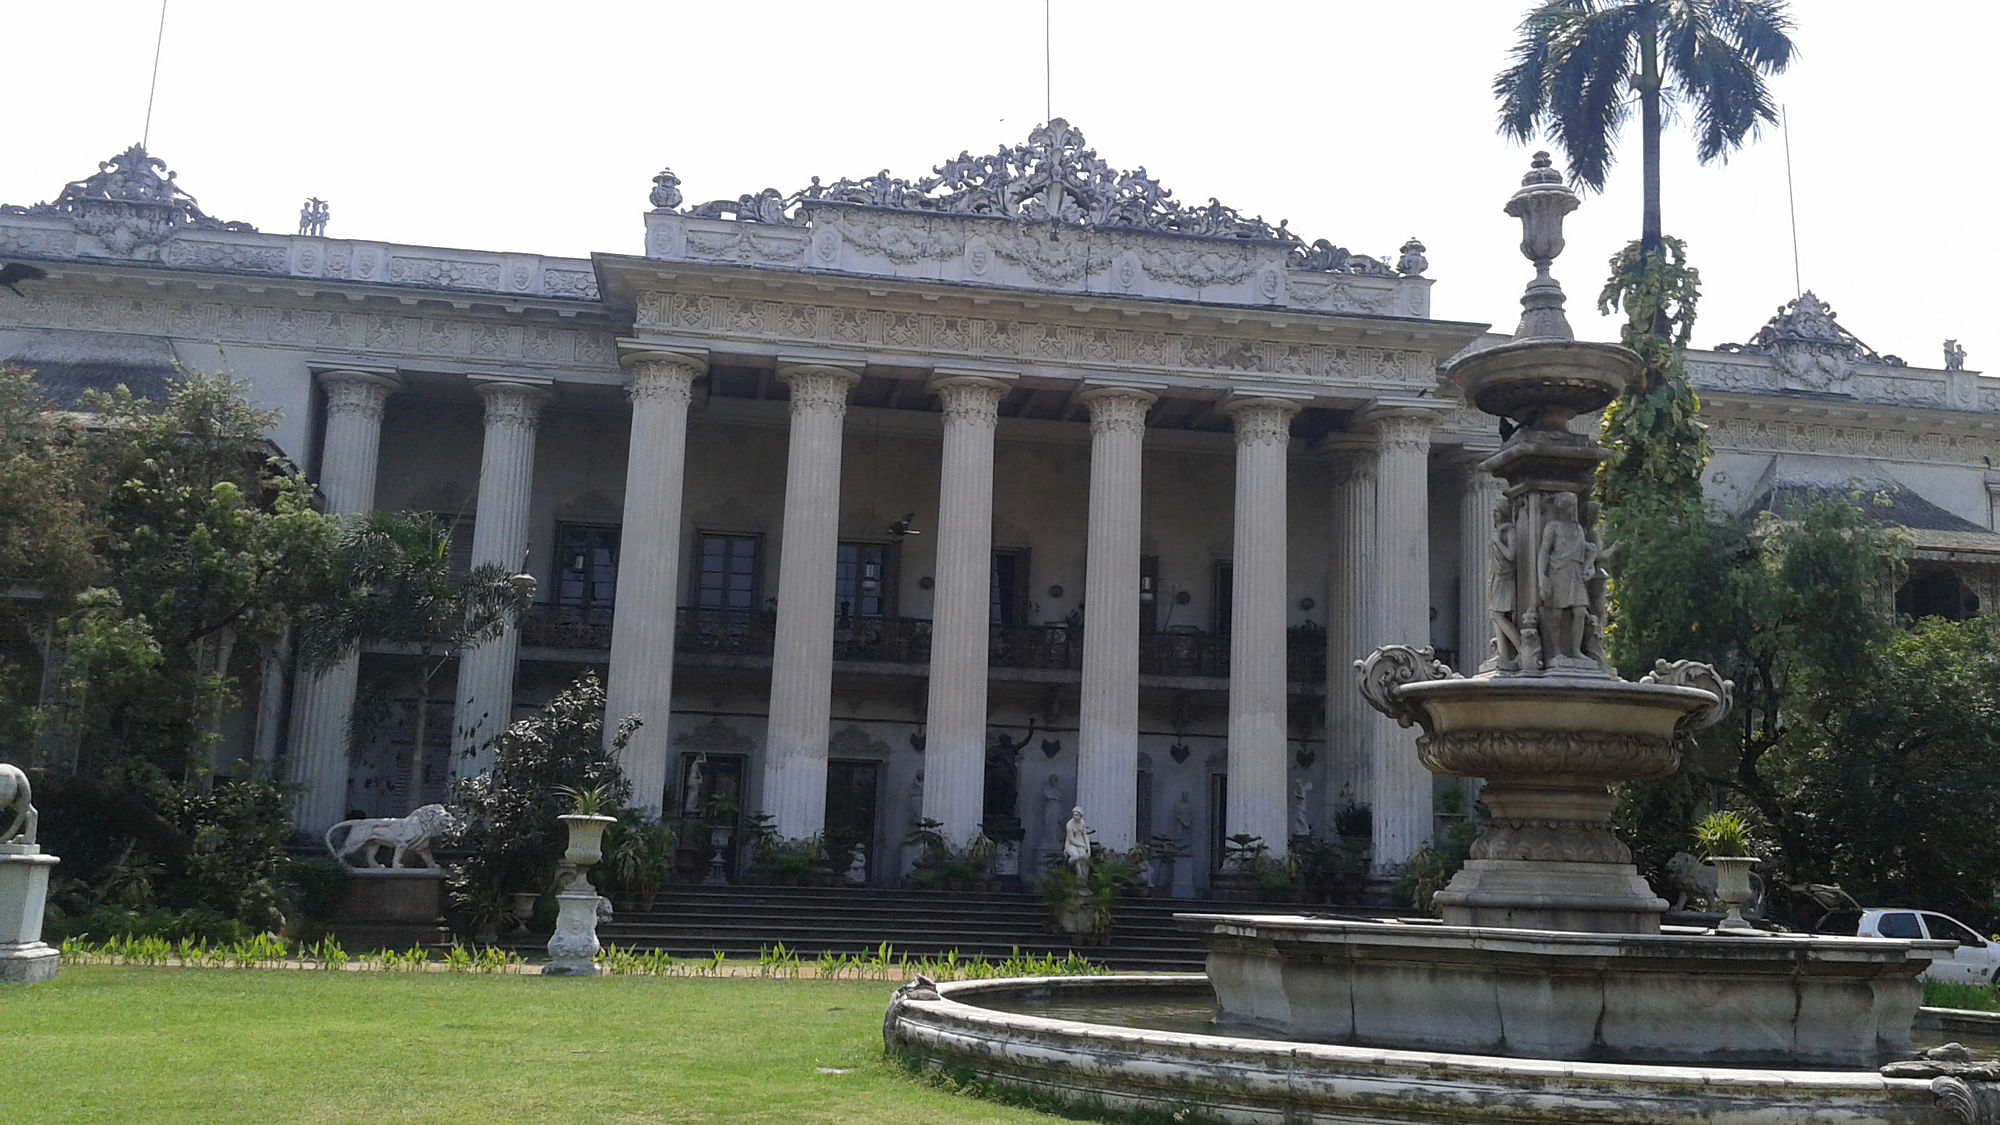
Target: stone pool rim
point(1261, 1080)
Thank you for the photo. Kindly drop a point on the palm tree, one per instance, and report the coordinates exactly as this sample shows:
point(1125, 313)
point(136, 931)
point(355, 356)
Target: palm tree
point(1578, 63)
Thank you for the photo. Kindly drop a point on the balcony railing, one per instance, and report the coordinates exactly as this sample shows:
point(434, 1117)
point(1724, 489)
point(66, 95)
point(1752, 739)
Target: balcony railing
point(907, 640)
point(557, 626)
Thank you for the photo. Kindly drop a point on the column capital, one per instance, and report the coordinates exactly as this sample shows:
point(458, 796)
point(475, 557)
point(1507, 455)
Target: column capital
point(355, 389)
point(969, 397)
point(818, 387)
point(1261, 419)
point(1401, 424)
point(514, 402)
point(638, 358)
point(1117, 409)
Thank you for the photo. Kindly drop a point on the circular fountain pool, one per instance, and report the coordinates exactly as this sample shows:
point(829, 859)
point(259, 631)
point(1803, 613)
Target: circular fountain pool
point(1132, 1042)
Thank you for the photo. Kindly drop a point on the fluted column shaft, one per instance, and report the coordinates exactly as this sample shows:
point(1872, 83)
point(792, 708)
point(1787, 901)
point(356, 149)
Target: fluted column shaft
point(485, 703)
point(1476, 502)
point(1107, 760)
point(1401, 787)
point(1354, 626)
point(802, 654)
point(1257, 672)
point(955, 721)
point(641, 678)
point(318, 760)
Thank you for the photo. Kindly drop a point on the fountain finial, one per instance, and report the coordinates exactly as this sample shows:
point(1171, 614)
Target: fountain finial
point(1540, 204)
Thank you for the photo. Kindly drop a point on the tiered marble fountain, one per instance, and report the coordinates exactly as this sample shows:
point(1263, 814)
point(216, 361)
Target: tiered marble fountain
point(1550, 992)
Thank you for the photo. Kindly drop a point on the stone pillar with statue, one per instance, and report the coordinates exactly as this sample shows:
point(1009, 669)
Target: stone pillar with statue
point(24, 885)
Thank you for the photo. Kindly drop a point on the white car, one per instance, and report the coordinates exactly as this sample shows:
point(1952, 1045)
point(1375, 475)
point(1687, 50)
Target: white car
point(1976, 962)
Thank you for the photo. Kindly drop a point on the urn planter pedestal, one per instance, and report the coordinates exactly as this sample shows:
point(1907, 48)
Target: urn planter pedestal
point(1732, 889)
point(573, 948)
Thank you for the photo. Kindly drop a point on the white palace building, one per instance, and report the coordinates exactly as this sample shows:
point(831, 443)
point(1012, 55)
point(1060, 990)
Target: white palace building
point(1016, 487)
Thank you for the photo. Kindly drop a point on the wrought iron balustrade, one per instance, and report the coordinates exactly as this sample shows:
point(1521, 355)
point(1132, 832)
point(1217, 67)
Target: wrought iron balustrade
point(895, 640)
point(559, 626)
point(1035, 646)
point(1183, 652)
point(735, 632)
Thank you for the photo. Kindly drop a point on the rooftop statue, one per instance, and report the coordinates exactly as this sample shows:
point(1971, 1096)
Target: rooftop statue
point(1052, 178)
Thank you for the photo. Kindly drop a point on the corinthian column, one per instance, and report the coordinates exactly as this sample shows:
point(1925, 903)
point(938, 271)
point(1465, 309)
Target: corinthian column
point(1107, 757)
point(955, 722)
point(1354, 623)
point(802, 654)
point(353, 442)
point(1257, 672)
point(1401, 787)
point(641, 679)
point(485, 702)
point(1476, 501)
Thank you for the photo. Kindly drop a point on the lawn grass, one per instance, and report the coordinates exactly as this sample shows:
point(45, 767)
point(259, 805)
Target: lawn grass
point(138, 1044)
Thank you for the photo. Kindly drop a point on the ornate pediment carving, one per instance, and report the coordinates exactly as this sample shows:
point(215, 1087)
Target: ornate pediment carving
point(1053, 178)
point(1809, 349)
point(132, 205)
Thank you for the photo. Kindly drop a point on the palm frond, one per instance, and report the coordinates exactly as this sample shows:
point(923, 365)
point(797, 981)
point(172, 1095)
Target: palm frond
point(1590, 89)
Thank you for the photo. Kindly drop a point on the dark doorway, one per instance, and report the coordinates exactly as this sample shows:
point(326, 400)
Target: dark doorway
point(711, 795)
point(851, 790)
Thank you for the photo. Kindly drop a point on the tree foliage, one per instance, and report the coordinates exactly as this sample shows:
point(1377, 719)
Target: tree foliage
point(1869, 751)
point(1658, 446)
point(402, 592)
point(159, 549)
point(507, 814)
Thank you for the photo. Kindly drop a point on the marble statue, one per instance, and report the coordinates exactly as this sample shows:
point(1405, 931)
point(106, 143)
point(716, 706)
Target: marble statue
point(1184, 820)
point(411, 836)
point(857, 867)
point(1954, 356)
point(17, 797)
point(1301, 803)
point(1076, 842)
point(1052, 810)
point(1501, 591)
point(691, 796)
point(1568, 569)
point(917, 797)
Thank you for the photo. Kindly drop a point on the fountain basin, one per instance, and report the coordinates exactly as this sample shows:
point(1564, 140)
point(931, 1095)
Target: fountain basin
point(1677, 997)
point(1240, 1079)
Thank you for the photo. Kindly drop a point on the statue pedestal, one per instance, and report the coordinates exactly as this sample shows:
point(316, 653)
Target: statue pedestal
point(391, 908)
point(24, 890)
point(573, 948)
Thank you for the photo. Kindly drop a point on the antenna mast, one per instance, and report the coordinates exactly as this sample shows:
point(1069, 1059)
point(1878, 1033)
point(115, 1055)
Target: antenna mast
point(153, 87)
point(1048, 69)
point(1791, 200)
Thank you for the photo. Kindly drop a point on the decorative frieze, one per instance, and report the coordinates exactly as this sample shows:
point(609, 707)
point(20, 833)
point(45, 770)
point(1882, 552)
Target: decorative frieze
point(1883, 441)
point(401, 336)
point(939, 335)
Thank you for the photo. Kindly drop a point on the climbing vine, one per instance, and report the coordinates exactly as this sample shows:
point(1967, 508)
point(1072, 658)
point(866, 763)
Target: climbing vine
point(1658, 446)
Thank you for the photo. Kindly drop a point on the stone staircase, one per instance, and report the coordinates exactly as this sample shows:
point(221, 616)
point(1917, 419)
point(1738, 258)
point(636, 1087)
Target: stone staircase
point(695, 921)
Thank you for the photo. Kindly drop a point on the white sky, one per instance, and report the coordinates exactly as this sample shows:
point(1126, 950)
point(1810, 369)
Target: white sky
point(538, 126)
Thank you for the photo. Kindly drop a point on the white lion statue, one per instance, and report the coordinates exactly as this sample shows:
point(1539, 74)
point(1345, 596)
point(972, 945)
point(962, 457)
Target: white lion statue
point(410, 836)
point(16, 796)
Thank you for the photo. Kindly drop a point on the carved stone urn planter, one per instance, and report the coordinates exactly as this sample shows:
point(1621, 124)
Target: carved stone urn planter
point(573, 948)
point(586, 837)
point(1732, 888)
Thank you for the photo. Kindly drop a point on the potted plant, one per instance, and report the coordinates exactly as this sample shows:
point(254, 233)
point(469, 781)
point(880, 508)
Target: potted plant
point(1723, 838)
point(1162, 853)
point(1245, 859)
point(640, 855)
point(586, 821)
